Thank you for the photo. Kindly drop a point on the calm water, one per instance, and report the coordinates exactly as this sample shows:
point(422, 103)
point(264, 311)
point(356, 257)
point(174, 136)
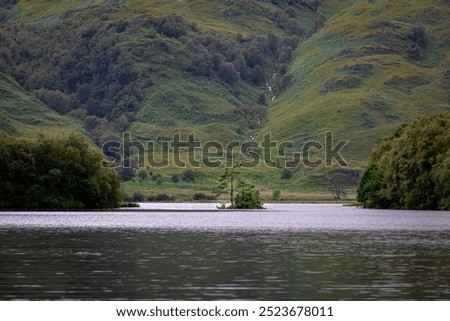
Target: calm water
point(287, 252)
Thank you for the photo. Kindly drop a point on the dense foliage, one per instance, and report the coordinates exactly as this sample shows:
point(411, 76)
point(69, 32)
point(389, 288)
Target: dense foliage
point(411, 170)
point(247, 197)
point(242, 194)
point(63, 173)
point(100, 70)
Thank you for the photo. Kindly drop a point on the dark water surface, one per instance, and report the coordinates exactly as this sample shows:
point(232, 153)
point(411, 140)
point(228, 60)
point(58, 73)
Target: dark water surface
point(287, 252)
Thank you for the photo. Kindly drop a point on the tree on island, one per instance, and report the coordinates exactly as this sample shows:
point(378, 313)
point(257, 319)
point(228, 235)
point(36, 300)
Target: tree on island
point(411, 169)
point(47, 173)
point(242, 194)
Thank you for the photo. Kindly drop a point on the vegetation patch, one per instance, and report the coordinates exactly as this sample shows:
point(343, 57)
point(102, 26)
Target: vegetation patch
point(336, 84)
point(359, 69)
point(408, 81)
point(161, 198)
point(64, 173)
point(410, 170)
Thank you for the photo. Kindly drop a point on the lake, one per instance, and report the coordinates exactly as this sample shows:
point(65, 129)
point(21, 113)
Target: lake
point(194, 252)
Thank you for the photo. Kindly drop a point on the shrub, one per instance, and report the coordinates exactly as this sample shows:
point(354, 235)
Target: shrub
point(126, 174)
point(188, 176)
point(175, 178)
point(161, 198)
point(276, 195)
point(172, 26)
point(203, 197)
point(142, 174)
point(262, 99)
point(228, 73)
point(136, 197)
point(418, 37)
point(247, 197)
point(284, 81)
point(258, 76)
point(286, 173)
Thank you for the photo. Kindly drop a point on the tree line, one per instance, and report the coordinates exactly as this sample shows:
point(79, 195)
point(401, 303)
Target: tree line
point(50, 173)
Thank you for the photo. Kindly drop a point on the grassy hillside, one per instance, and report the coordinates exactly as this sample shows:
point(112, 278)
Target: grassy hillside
point(372, 67)
point(237, 16)
point(21, 114)
point(155, 66)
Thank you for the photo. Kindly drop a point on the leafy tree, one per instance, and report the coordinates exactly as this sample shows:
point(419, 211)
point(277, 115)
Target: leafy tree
point(126, 173)
point(175, 178)
point(240, 65)
point(136, 197)
point(142, 174)
point(410, 170)
point(284, 81)
point(262, 99)
point(276, 195)
point(227, 182)
point(258, 76)
point(228, 73)
point(172, 26)
point(247, 197)
point(369, 186)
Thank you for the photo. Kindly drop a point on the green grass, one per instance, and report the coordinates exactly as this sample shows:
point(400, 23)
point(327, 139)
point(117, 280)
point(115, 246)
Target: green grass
point(21, 114)
point(231, 17)
point(189, 104)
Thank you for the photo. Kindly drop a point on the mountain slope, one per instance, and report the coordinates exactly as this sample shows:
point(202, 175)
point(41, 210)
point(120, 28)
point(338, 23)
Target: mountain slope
point(22, 114)
point(232, 71)
point(155, 66)
point(372, 67)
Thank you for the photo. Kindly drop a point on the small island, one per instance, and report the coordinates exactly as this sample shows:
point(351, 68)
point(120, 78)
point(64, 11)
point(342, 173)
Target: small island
point(246, 197)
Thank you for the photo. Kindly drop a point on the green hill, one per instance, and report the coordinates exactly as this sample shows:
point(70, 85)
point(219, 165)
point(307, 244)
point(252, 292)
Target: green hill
point(155, 68)
point(372, 67)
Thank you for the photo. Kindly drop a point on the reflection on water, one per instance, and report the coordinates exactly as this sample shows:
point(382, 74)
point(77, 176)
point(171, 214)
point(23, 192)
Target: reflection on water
point(40, 259)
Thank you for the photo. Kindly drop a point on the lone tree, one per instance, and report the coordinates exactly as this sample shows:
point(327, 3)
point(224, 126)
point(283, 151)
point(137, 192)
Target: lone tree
point(339, 182)
point(227, 181)
point(242, 194)
point(410, 170)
